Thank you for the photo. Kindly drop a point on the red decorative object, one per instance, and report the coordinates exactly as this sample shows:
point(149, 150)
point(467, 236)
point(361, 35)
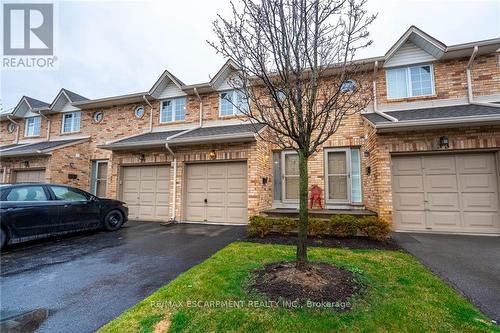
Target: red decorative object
point(315, 196)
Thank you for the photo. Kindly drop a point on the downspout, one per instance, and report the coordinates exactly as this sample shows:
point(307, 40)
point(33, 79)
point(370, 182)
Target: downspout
point(201, 106)
point(150, 113)
point(17, 128)
point(375, 106)
point(48, 123)
point(174, 191)
point(468, 73)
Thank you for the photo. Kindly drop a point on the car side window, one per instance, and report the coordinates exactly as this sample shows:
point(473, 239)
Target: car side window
point(67, 194)
point(27, 193)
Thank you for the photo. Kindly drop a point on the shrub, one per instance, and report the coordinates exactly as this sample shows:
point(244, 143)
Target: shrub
point(284, 225)
point(344, 225)
point(317, 227)
point(259, 226)
point(374, 227)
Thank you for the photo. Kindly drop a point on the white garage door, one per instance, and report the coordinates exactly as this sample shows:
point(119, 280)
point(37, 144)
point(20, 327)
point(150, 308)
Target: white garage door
point(30, 176)
point(456, 193)
point(146, 191)
point(216, 192)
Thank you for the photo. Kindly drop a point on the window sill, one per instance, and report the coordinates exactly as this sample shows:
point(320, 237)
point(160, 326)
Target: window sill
point(172, 122)
point(411, 99)
point(32, 136)
point(69, 133)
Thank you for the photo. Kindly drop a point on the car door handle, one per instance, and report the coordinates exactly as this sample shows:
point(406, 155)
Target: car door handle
point(206, 201)
point(66, 205)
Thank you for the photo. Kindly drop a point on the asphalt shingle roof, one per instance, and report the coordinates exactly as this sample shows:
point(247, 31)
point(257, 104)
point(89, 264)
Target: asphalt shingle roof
point(220, 130)
point(10, 146)
point(74, 97)
point(146, 137)
point(35, 103)
point(39, 146)
point(456, 111)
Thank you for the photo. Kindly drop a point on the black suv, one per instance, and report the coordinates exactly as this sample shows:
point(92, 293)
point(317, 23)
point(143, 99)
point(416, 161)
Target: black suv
point(35, 210)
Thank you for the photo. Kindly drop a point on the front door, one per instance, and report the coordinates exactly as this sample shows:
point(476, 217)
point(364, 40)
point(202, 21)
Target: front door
point(291, 176)
point(342, 176)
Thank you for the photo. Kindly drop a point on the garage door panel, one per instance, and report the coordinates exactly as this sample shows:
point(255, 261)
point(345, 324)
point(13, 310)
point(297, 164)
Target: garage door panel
point(476, 163)
point(197, 185)
point(29, 176)
point(216, 170)
point(216, 214)
point(196, 213)
point(480, 202)
point(216, 199)
point(439, 165)
point(163, 186)
point(216, 185)
point(407, 166)
point(413, 220)
point(196, 199)
point(236, 185)
point(478, 183)
point(408, 184)
point(195, 171)
point(441, 183)
point(163, 172)
point(237, 200)
point(147, 186)
point(238, 215)
point(409, 201)
point(444, 220)
point(236, 170)
point(443, 201)
point(130, 173)
point(481, 220)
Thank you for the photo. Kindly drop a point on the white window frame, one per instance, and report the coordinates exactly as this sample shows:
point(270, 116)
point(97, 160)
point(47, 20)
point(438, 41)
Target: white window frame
point(408, 81)
point(26, 134)
point(284, 153)
point(236, 110)
point(72, 122)
point(173, 101)
point(97, 179)
point(327, 173)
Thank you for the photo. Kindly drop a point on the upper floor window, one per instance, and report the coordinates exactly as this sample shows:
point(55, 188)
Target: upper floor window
point(232, 102)
point(410, 81)
point(71, 122)
point(32, 126)
point(173, 110)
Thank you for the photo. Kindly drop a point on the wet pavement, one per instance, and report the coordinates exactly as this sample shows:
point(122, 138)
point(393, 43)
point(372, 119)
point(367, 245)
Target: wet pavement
point(86, 280)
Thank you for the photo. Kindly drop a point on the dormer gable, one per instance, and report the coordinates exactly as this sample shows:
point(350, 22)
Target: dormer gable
point(168, 85)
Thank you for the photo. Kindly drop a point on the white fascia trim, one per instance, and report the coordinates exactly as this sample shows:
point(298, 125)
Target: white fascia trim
point(438, 121)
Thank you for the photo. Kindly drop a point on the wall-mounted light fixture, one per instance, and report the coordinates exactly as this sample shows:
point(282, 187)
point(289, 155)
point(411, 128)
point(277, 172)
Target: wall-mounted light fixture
point(71, 165)
point(26, 164)
point(265, 180)
point(212, 155)
point(367, 153)
point(141, 158)
point(444, 142)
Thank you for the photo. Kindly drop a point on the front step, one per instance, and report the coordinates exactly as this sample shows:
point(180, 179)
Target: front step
point(320, 213)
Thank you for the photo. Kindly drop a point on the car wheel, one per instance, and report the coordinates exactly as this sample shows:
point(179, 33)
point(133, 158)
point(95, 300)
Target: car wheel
point(113, 220)
point(3, 238)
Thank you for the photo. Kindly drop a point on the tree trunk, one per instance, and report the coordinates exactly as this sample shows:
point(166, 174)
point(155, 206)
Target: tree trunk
point(302, 261)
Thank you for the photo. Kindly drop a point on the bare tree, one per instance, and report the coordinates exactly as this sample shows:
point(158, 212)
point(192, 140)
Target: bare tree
point(297, 74)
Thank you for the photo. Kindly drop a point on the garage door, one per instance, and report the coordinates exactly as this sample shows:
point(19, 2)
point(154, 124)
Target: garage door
point(456, 193)
point(216, 192)
point(146, 191)
point(31, 176)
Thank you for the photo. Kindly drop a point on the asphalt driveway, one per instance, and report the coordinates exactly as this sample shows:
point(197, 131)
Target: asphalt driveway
point(470, 264)
point(85, 281)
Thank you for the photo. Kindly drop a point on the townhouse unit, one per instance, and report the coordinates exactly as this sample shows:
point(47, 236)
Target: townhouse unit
point(424, 155)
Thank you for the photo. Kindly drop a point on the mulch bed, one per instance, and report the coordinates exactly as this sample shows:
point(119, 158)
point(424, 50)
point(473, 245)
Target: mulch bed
point(358, 243)
point(321, 286)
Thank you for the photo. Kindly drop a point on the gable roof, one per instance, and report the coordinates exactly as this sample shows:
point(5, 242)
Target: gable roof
point(35, 103)
point(163, 81)
point(421, 39)
point(74, 97)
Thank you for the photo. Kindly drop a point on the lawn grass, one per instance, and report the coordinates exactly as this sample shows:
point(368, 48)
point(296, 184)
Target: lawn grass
point(400, 296)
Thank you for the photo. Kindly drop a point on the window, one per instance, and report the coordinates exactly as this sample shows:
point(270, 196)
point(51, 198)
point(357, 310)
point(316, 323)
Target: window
point(139, 112)
point(343, 175)
point(98, 116)
point(11, 127)
point(68, 194)
point(348, 86)
point(232, 102)
point(173, 110)
point(99, 178)
point(410, 81)
point(27, 193)
point(32, 126)
point(71, 122)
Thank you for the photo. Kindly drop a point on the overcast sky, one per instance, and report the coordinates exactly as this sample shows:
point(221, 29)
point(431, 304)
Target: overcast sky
point(114, 48)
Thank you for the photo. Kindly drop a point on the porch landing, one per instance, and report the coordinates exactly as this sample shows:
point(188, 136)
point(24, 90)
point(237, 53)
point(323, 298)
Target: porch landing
point(321, 213)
